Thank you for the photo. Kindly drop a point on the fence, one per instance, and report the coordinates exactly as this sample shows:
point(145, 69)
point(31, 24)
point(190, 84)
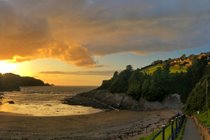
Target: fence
point(175, 125)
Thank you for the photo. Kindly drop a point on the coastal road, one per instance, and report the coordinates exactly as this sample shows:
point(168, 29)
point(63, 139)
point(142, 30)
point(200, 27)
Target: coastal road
point(191, 132)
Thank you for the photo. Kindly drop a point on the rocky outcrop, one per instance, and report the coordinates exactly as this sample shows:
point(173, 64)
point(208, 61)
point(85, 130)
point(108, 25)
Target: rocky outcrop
point(151, 105)
point(172, 101)
point(106, 100)
point(5, 101)
point(10, 102)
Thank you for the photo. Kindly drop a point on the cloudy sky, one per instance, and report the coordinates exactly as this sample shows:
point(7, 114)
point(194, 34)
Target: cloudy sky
point(81, 42)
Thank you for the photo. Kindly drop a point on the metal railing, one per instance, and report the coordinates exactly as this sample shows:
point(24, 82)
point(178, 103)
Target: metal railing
point(175, 123)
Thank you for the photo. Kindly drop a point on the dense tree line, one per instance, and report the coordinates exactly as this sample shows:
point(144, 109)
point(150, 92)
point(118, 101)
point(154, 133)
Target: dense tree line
point(10, 82)
point(154, 87)
point(197, 98)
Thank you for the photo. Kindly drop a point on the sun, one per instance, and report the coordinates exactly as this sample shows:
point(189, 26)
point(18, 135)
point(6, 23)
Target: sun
point(7, 67)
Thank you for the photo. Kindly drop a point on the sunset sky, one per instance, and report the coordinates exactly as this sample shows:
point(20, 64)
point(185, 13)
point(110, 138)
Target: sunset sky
point(82, 42)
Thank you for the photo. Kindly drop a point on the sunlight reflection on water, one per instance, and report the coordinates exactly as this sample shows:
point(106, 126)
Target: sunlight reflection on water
point(37, 102)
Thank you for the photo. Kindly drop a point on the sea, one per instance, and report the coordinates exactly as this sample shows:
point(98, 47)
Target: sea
point(45, 101)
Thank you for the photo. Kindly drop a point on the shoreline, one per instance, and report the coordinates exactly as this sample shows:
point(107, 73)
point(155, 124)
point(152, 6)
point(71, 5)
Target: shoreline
point(36, 104)
point(113, 125)
point(109, 124)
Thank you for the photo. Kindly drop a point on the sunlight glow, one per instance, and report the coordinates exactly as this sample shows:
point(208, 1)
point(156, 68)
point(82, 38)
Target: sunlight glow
point(7, 67)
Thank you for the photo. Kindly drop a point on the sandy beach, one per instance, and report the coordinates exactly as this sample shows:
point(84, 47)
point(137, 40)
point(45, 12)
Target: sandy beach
point(42, 116)
point(100, 126)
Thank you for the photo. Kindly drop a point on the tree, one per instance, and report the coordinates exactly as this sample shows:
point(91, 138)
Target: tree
point(193, 75)
point(106, 84)
point(166, 67)
point(135, 83)
point(183, 57)
point(120, 83)
point(129, 68)
point(146, 87)
point(157, 62)
point(196, 100)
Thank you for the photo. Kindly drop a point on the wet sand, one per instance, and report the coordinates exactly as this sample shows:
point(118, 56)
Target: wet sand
point(100, 126)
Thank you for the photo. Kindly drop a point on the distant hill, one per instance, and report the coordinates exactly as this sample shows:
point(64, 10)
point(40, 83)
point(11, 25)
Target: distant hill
point(10, 82)
point(180, 64)
point(161, 78)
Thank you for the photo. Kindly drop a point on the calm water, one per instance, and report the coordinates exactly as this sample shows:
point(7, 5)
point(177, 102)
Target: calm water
point(68, 90)
point(45, 101)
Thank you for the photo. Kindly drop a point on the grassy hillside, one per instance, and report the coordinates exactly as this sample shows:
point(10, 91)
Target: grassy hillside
point(152, 69)
point(173, 69)
point(177, 65)
point(160, 79)
point(178, 68)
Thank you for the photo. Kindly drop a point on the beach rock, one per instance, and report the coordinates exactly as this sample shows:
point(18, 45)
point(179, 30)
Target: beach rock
point(104, 99)
point(130, 103)
point(172, 101)
point(85, 101)
point(11, 102)
point(107, 100)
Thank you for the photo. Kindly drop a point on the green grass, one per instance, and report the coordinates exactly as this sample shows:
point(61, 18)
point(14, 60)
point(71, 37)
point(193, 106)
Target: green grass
point(167, 134)
point(152, 69)
point(149, 137)
point(178, 69)
point(173, 69)
point(181, 133)
point(202, 117)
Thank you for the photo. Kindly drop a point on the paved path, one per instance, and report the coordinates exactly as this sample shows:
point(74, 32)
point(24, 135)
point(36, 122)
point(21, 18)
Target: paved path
point(191, 132)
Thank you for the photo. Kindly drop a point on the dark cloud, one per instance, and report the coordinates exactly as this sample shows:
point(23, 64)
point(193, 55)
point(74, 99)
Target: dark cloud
point(76, 30)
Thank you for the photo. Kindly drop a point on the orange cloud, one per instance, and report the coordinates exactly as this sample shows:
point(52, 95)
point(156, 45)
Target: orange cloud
point(71, 52)
point(25, 38)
